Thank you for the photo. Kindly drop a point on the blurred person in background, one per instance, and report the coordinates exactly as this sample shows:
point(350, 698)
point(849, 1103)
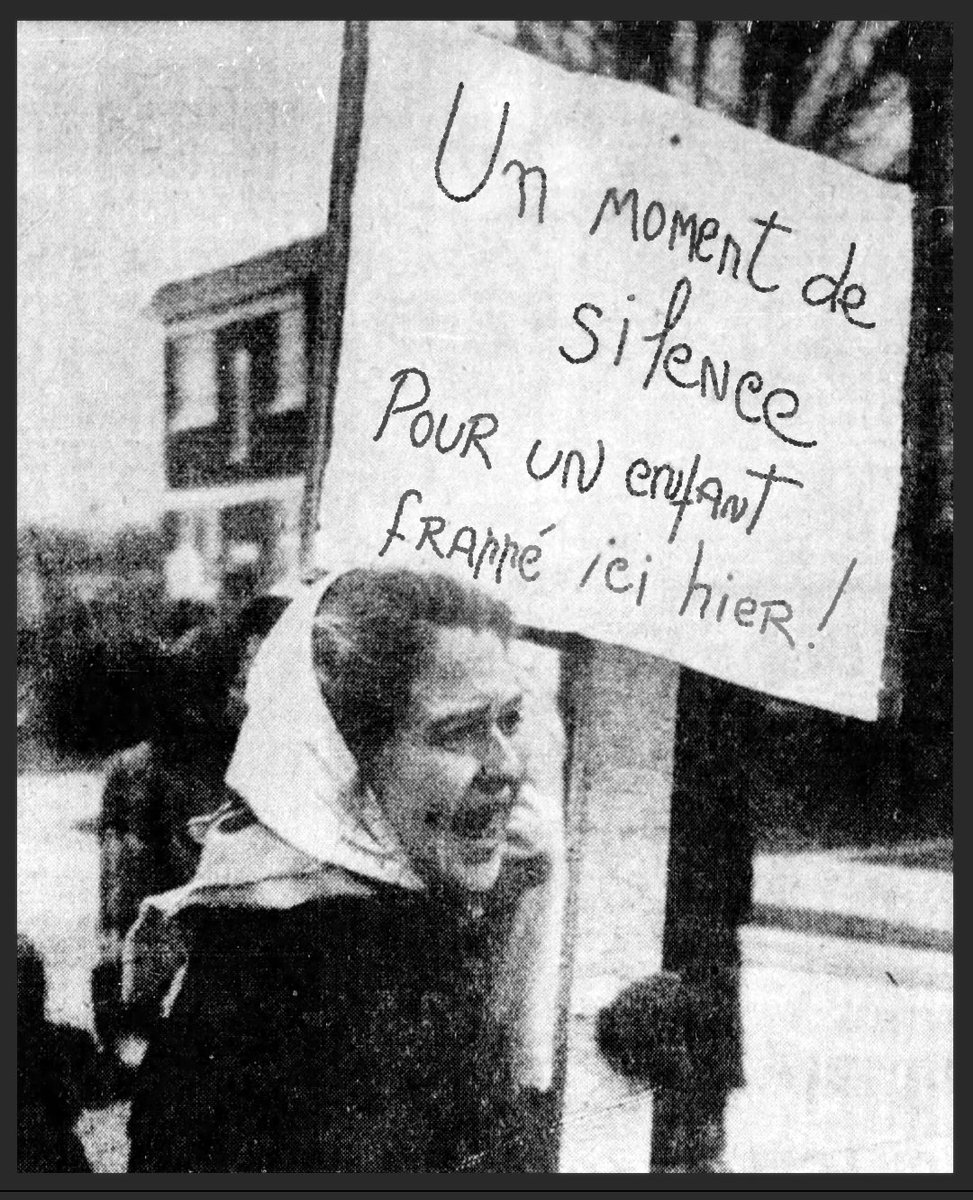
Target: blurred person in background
point(155, 790)
point(58, 1073)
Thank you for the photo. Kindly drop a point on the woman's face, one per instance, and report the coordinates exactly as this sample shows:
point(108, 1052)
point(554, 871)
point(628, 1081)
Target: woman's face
point(451, 774)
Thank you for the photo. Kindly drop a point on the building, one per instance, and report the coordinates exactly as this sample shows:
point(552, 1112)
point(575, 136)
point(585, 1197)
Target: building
point(239, 344)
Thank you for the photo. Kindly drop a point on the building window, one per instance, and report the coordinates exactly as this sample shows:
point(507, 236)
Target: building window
point(193, 381)
point(236, 384)
point(291, 390)
point(247, 353)
point(240, 428)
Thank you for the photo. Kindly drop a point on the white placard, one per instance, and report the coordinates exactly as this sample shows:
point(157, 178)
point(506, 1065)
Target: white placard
point(650, 392)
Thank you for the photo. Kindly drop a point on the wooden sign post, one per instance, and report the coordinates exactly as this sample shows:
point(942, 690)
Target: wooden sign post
point(333, 279)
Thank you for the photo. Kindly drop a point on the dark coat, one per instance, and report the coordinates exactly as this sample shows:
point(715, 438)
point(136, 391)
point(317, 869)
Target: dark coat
point(345, 1035)
point(56, 1076)
point(151, 794)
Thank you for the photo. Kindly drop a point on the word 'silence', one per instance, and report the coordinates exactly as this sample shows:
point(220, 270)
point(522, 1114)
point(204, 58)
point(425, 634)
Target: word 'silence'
point(682, 355)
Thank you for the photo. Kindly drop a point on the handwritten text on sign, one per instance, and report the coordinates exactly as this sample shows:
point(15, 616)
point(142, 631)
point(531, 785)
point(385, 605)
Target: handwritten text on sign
point(633, 366)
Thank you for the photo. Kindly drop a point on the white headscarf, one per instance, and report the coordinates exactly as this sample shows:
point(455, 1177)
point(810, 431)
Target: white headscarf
point(292, 767)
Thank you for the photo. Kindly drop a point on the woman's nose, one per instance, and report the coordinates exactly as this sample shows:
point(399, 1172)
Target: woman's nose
point(502, 757)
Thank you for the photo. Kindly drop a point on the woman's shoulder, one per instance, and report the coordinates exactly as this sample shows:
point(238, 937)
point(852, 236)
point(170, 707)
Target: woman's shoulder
point(315, 928)
point(253, 974)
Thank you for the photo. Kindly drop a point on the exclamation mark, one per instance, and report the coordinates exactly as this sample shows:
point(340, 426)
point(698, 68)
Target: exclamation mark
point(837, 596)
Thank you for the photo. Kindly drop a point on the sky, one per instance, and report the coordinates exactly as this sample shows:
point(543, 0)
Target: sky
point(146, 152)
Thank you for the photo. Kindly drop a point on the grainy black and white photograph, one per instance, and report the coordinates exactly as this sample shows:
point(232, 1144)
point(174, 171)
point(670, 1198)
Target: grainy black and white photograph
point(484, 597)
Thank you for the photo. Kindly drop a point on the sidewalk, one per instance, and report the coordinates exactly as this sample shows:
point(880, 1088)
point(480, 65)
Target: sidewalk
point(848, 1057)
point(844, 893)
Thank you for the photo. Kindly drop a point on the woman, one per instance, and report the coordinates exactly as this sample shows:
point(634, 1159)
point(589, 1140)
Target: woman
point(373, 934)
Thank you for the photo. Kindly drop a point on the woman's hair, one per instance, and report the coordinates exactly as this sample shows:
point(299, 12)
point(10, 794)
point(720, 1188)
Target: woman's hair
point(374, 633)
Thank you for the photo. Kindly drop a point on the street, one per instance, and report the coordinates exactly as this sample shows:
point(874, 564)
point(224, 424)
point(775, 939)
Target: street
point(848, 1043)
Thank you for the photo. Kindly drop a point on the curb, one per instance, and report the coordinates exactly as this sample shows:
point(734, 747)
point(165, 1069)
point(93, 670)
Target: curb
point(854, 928)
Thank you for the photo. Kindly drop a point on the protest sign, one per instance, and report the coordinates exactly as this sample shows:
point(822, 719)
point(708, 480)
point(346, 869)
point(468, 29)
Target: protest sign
point(632, 366)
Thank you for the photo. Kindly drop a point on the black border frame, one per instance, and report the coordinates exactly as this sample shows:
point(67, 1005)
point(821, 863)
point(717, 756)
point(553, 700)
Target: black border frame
point(961, 1181)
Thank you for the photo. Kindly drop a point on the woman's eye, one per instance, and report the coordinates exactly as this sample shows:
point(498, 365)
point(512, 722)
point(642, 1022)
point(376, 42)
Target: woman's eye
point(509, 722)
point(462, 734)
point(456, 735)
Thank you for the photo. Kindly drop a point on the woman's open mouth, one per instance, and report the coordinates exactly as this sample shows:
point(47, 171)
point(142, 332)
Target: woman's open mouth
point(484, 824)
